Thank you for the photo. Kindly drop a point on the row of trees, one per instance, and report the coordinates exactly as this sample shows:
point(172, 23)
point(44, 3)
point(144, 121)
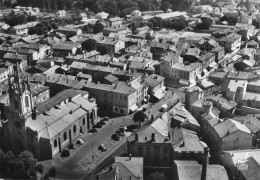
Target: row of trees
point(12, 19)
point(177, 24)
point(42, 28)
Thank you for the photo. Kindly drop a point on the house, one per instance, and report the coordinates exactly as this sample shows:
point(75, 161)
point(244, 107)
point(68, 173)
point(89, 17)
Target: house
point(244, 19)
point(15, 59)
point(102, 15)
point(247, 32)
point(69, 32)
point(114, 22)
point(193, 94)
point(4, 73)
point(110, 79)
point(156, 88)
point(122, 168)
point(192, 170)
point(229, 135)
point(187, 74)
point(119, 31)
point(207, 44)
point(41, 49)
point(23, 28)
point(219, 52)
point(231, 42)
point(63, 49)
point(113, 45)
point(168, 60)
point(61, 13)
point(120, 98)
point(218, 77)
point(207, 86)
point(153, 143)
point(242, 164)
point(208, 61)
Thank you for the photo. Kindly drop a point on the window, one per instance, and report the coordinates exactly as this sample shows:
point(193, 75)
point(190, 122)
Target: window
point(64, 136)
point(16, 104)
point(148, 149)
point(165, 149)
point(26, 102)
point(140, 150)
point(84, 121)
point(74, 128)
point(156, 149)
point(121, 111)
point(116, 109)
point(55, 143)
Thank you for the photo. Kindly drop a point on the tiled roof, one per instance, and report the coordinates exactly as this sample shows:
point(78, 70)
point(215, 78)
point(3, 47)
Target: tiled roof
point(191, 170)
point(154, 80)
point(111, 78)
point(250, 121)
point(229, 126)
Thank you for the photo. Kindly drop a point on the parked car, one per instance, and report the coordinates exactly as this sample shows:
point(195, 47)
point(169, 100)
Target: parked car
point(98, 125)
point(102, 147)
point(163, 107)
point(80, 141)
point(115, 137)
point(102, 122)
point(65, 153)
point(93, 130)
point(106, 118)
point(71, 146)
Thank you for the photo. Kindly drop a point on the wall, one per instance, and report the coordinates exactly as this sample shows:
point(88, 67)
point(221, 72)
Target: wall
point(237, 140)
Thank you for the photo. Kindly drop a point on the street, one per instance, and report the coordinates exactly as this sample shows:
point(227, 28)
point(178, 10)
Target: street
point(87, 158)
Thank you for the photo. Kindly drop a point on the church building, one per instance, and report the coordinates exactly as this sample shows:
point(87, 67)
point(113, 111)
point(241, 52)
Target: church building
point(47, 128)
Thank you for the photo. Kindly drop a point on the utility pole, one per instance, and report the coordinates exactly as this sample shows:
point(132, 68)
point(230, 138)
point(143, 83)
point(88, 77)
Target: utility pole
point(93, 152)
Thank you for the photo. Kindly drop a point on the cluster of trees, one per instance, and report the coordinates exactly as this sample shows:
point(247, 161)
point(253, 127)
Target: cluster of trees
point(121, 7)
point(23, 166)
point(12, 19)
point(230, 19)
point(204, 25)
point(42, 28)
point(176, 5)
point(158, 23)
point(47, 4)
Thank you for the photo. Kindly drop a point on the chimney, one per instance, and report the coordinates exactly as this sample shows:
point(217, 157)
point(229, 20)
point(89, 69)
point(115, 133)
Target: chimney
point(136, 137)
point(152, 117)
point(130, 156)
point(205, 163)
point(34, 113)
point(153, 137)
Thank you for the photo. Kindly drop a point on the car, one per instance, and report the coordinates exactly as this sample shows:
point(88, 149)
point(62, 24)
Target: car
point(71, 146)
point(106, 118)
point(102, 122)
point(115, 137)
point(98, 125)
point(80, 141)
point(102, 147)
point(163, 107)
point(93, 130)
point(65, 153)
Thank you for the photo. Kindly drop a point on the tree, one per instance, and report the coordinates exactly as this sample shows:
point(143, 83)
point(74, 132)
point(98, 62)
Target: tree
point(139, 117)
point(156, 176)
point(40, 168)
point(98, 27)
point(204, 25)
point(54, 25)
point(255, 23)
point(165, 6)
point(89, 45)
point(53, 172)
point(111, 7)
point(33, 30)
point(103, 49)
point(150, 25)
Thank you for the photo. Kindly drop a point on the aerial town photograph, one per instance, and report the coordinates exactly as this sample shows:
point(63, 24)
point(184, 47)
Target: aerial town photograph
point(130, 89)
